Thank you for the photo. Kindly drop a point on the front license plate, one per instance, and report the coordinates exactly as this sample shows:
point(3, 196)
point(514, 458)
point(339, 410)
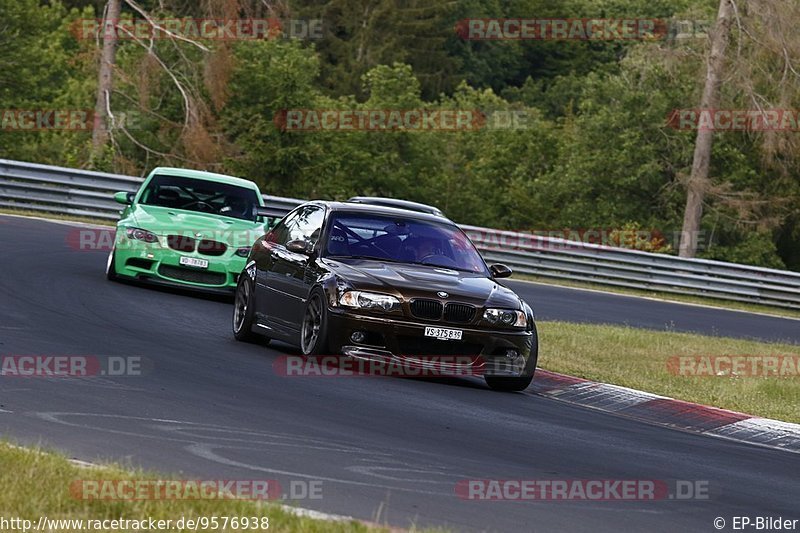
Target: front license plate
point(444, 333)
point(194, 262)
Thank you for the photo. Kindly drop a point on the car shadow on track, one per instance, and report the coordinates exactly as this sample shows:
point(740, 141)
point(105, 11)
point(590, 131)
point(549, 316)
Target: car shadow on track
point(221, 296)
point(317, 367)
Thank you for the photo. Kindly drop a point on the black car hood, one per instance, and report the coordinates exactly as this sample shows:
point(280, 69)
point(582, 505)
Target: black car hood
point(420, 281)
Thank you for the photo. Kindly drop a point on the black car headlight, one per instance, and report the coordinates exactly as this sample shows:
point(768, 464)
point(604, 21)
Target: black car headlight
point(242, 252)
point(369, 300)
point(138, 234)
point(506, 317)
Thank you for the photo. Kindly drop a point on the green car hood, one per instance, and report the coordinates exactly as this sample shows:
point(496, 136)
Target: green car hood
point(167, 221)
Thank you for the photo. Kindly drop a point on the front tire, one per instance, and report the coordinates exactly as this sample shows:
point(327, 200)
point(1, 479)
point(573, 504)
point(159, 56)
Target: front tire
point(517, 384)
point(314, 330)
point(111, 265)
point(505, 384)
point(244, 311)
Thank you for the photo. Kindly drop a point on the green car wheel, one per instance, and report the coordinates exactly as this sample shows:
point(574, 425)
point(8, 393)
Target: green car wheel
point(111, 268)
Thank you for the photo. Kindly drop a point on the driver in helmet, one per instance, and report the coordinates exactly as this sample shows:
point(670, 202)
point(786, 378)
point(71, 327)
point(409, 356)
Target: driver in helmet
point(418, 248)
point(426, 248)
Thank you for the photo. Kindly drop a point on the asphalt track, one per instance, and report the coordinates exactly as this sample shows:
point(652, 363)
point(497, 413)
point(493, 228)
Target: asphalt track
point(577, 305)
point(384, 448)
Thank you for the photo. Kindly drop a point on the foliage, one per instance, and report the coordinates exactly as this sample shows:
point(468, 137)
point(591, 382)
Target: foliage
point(591, 148)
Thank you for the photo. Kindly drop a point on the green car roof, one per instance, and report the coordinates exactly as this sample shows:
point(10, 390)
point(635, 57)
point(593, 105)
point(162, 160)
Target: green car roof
point(203, 175)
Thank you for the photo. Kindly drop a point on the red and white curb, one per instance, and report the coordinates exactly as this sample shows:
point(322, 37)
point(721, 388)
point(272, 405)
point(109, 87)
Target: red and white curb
point(663, 411)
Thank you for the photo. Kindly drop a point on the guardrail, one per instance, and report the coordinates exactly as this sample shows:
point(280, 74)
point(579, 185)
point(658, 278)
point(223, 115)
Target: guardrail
point(67, 191)
point(621, 267)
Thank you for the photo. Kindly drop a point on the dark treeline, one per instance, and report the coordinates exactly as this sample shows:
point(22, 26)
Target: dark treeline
point(595, 150)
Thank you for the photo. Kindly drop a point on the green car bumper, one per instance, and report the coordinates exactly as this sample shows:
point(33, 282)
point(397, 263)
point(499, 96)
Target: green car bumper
point(157, 262)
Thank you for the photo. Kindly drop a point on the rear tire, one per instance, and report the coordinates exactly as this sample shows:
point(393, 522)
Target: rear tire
point(244, 312)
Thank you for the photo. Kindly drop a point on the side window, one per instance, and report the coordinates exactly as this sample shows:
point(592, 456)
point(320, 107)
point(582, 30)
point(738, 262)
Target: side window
point(280, 233)
point(307, 225)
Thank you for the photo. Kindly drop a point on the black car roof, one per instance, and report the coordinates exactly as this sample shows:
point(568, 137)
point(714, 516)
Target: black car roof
point(394, 202)
point(354, 207)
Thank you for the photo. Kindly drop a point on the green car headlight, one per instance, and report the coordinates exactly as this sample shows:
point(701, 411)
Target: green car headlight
point(506, 317)
point(138, 234)
point(243, 252)
point(369, 300)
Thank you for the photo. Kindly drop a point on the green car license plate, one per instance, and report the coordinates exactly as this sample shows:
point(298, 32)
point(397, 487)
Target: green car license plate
point(194, 262)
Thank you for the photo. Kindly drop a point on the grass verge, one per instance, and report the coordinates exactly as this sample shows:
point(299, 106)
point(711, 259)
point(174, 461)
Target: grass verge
point(666, 296)
point(638, 359)
point(37, 483)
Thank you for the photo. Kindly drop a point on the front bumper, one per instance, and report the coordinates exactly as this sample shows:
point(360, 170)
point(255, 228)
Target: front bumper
point(401, 341)
point(157, 263)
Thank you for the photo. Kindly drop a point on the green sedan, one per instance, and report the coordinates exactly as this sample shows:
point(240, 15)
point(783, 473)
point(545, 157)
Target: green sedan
point(188, 228)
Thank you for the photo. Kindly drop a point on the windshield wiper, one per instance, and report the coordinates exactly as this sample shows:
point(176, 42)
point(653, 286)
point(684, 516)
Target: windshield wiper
point(390, 260)
point(369, 257)
point(425, 263)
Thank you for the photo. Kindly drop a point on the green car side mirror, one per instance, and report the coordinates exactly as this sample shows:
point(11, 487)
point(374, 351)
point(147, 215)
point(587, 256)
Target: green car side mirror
point(124, 197)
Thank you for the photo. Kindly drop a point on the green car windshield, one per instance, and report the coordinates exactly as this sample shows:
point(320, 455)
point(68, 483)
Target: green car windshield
point(202, 196)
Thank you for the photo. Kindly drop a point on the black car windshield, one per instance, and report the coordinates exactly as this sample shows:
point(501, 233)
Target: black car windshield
point(203, 196)
point(402, 240)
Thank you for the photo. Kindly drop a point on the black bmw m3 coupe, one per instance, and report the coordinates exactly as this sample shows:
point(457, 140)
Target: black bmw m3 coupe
point(385, 284)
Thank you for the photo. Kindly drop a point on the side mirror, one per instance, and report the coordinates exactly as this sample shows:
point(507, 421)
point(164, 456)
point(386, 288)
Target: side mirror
point(300, 246)
point(125, 198)
point(500, 271)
